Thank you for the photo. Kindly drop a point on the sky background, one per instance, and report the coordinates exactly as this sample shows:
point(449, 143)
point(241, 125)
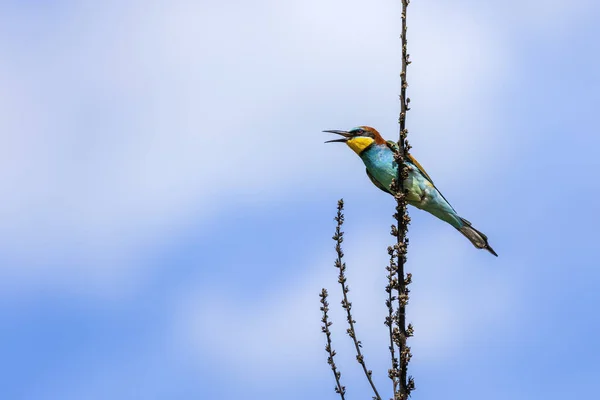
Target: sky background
point(167, 201)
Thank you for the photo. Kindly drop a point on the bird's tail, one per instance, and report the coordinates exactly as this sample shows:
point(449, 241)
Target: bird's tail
point(478, 239)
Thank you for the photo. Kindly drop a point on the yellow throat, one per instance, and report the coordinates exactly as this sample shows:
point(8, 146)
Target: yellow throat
point(358, 144)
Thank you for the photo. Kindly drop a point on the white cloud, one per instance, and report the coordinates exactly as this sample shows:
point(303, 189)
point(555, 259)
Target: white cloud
point(143, 116)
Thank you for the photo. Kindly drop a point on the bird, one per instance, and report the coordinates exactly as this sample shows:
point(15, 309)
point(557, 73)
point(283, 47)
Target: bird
point(378, 156)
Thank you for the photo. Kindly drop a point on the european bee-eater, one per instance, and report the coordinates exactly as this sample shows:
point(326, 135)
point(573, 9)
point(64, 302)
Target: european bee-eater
point(378, 156)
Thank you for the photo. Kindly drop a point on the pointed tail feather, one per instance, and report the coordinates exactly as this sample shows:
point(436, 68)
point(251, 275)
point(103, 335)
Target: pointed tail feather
point(478, 239)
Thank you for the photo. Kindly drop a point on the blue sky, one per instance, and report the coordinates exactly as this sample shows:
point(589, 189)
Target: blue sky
point(167, 200)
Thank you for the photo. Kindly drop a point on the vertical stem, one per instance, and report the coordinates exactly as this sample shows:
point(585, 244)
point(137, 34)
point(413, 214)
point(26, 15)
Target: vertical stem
point(405, 384)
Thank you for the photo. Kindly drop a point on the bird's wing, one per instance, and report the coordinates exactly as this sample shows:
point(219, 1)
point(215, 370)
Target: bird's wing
point(394, 146)
point(422, 170)
point(376, 182)
point(425, 174)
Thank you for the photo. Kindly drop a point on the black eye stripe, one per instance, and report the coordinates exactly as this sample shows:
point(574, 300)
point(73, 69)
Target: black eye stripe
point(362, 132)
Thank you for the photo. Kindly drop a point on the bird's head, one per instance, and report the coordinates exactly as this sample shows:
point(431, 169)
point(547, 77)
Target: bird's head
point(358, 139)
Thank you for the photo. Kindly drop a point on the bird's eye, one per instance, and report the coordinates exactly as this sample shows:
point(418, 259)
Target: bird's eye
point(360, 131)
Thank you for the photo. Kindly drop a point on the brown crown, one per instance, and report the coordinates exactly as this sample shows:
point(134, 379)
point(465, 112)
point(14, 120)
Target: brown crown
point(376, 135)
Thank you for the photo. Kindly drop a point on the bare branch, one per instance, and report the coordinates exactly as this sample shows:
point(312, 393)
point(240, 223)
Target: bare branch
point(402, 384)
point(346, 304)
point(341, 390)
point(389, 320)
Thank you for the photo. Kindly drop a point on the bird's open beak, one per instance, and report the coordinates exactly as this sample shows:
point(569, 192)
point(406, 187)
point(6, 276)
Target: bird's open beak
point(346, 135)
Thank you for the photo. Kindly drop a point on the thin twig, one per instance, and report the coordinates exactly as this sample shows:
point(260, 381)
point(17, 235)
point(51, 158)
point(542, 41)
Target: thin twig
point(331, 353)
point(347, 305)
point(389, 320)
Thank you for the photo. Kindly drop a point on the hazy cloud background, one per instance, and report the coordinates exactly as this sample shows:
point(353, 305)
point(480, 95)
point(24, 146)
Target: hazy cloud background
point(167, 201)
